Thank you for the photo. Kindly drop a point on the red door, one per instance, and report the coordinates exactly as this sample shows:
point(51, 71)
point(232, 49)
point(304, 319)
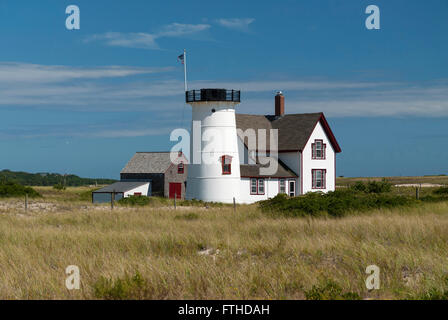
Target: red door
point(175, 188)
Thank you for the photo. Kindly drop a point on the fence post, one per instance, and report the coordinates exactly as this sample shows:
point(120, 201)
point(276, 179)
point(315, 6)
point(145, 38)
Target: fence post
point(175, 196)
point(417, 193)
point(112, 200)
point(234, 205)
point(26, 202)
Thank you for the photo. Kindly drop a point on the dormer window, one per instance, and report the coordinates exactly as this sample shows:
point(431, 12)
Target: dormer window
point(180, 168)
point(318, 149)
point(226, 162)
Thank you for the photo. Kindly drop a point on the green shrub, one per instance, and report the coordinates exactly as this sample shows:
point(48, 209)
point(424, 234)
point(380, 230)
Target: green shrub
point(330, 290)
point(372, 186)
point(442, 191)
point(119, 289)
point(336, 203)
point(135, 201)
point(11, 189)
point(59, 186)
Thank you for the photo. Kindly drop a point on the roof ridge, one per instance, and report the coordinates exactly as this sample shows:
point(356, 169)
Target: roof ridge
point(155, 151)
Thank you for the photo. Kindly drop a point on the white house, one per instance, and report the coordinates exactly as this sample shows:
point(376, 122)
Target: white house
point(231, 166)
point(121, 189)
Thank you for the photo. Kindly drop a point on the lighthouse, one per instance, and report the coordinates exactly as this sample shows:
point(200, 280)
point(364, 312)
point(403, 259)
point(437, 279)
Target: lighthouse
point(214, 168)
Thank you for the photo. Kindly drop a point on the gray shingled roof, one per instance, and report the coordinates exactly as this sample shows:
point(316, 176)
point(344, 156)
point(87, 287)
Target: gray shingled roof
point(253, 170)
point(148, 162)
point(294, 130)
point(121, 186)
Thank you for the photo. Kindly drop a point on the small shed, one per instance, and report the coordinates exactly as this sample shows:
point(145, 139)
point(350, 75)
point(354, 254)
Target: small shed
point(121, 190)
point(167, 172)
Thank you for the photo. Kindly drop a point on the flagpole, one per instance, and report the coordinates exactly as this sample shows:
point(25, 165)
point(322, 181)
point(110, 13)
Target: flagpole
point(185, 70)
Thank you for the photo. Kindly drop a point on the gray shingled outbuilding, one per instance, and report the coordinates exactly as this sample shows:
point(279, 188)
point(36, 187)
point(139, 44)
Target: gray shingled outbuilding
point(168, 178)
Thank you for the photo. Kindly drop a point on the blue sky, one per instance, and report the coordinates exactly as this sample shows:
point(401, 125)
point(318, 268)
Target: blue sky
point(83, 101)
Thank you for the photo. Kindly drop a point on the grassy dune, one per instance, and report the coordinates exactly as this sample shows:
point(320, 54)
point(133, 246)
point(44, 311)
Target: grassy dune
point(440, 179)
point(198, 253)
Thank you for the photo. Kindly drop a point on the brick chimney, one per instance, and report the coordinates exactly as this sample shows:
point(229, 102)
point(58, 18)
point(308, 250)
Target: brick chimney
point(279, 104)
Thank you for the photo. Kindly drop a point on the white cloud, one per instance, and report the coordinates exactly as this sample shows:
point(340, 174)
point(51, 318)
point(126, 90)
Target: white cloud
point(147, 40)
point(128, 133)
point(90, 89)
point(129, 40)
point(180, 29)
point(236, 23)
point(26, 73)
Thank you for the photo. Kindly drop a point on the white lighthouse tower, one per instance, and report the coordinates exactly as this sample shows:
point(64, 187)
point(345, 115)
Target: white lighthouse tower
point(214, 168)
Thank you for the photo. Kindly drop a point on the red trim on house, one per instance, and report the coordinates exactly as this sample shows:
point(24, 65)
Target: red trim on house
point(324, 179)
point(225, 159)
point(330, 134)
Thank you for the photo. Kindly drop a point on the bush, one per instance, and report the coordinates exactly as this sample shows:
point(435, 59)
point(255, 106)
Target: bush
point(330, 290)
point(59, 187)
point(336, 203)
point(442, 191)
point(11, 189)
point(135, 201)
point(126, 288)
point(372, 186)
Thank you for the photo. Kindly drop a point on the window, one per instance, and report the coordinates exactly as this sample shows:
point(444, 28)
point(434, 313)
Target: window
point(282, 186)
point(256, 186)
point(318, 149)
point(180, 168)
point(226, 164)
point(137, 194)
point(253, 186)
point(319, 178)
point(260, 186)
point(292, 188)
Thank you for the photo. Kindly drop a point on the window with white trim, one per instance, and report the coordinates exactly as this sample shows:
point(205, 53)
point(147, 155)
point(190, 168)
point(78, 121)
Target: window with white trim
point(318, 149)
point(281, 186)
point(319, 178)
point(260, 186)
point(253, 186)
point(180, 168)
point(256, 186)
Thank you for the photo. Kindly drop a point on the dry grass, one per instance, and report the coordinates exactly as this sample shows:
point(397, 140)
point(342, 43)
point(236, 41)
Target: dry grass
point(250, 256)
point(440, 179)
